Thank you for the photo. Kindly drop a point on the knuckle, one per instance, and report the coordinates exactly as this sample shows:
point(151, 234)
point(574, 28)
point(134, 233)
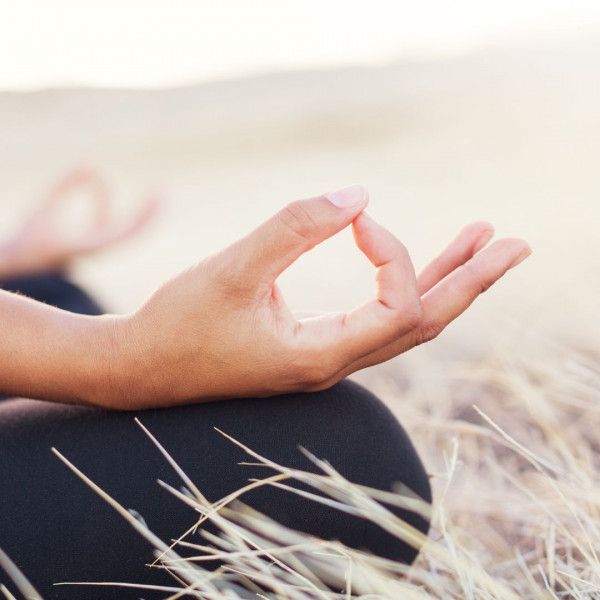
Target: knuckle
point(408, 316)
point(480, 283)
point(298, 220)
point(398, 251)
point(432, 330)
point(413, 315)
point(428, 332)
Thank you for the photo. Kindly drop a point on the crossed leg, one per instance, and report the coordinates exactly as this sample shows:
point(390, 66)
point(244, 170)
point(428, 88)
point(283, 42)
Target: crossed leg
point(56, 529)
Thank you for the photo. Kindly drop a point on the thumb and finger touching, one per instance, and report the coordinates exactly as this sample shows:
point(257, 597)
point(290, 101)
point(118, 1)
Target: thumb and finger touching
point(396, 308)
point(406, 310)
point(101, 230)
point(106, 232)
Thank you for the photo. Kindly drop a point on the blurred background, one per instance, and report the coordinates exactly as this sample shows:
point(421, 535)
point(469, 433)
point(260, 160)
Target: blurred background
point(448, 112)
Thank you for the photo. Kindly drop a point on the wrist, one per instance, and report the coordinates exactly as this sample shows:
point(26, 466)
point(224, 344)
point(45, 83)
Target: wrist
point(113, 373)
point(56, 355)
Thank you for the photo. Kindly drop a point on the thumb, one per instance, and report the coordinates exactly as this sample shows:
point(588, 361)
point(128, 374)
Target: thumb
point(276, 244)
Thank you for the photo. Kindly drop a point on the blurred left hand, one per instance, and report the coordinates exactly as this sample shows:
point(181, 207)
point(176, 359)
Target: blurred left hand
point(41, 245)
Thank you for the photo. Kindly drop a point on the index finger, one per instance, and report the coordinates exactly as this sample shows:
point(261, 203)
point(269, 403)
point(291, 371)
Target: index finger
point(395, 310)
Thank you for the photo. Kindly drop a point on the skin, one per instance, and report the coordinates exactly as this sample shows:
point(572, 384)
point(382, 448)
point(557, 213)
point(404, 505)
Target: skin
point(222, 329)
point(41, 245)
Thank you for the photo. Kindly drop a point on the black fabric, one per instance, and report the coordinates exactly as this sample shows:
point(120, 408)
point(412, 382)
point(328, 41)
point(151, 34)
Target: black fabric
point(57, 529)
point(53, 289)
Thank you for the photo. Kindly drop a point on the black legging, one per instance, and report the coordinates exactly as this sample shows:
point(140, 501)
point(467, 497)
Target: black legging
point(56, 529)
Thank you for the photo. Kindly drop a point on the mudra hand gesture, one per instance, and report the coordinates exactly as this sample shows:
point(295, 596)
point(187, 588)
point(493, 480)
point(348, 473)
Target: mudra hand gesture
point(42, 245)
point(222, 329)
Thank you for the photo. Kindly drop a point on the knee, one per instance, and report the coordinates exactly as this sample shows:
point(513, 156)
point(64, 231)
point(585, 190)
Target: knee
point(379, 453)
point(359, 436)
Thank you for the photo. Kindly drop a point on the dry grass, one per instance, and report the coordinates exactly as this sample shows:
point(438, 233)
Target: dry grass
point(517, 494)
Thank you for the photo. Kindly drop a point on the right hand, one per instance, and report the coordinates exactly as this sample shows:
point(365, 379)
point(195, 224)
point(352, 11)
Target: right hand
point(222, 329)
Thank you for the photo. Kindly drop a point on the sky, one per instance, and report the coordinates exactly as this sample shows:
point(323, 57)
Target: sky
point(151, 44)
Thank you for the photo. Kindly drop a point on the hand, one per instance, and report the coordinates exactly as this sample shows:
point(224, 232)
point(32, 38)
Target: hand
point(41, 245)
point(222, 328)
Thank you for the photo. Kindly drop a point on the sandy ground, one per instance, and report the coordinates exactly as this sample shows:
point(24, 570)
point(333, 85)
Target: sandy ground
point(510, 135)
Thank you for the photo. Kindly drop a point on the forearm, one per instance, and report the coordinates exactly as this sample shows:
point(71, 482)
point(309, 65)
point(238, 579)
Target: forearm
point(51, 354)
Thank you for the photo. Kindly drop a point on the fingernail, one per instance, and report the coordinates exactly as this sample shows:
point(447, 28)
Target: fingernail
point(482, 241)
point(522, 256)
point(347, 196)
